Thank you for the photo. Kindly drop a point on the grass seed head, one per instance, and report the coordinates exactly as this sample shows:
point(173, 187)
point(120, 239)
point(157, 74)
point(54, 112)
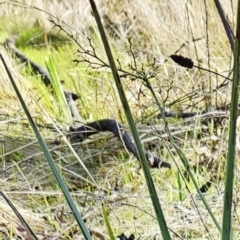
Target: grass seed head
point(182, 61)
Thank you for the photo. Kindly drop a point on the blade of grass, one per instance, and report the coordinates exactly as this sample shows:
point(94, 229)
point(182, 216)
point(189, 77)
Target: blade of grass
point(106, 219)
point(148, 177)
point(225, 24)
point(182, 157)
point(227, 209)
point(19, 216)
point(64, 111)
point(196, 206)
point(83, 105)
point(60, 181)
point(180, 188)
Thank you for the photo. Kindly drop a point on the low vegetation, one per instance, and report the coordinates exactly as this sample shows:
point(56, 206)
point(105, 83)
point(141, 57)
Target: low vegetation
point(143, 36)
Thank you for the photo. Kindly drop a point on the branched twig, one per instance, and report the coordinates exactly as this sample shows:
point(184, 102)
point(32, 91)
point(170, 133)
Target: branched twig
point(134, 73)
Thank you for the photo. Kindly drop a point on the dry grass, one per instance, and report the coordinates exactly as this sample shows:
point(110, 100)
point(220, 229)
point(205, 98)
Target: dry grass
point(157, 29)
